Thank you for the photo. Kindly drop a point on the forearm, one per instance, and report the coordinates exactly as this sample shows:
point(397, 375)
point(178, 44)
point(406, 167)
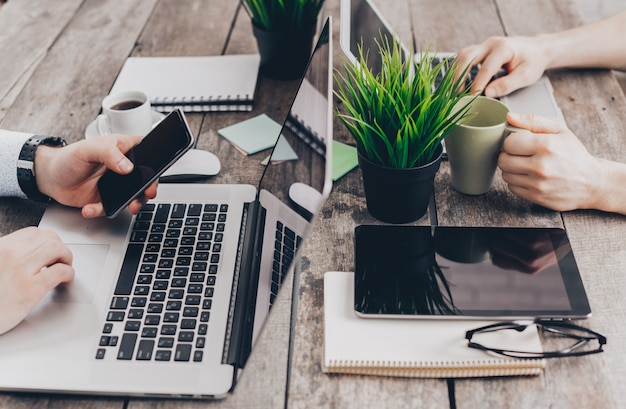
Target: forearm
point(599, 44)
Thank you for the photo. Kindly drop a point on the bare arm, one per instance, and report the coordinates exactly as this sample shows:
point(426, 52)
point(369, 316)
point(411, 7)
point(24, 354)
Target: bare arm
point(600, 44)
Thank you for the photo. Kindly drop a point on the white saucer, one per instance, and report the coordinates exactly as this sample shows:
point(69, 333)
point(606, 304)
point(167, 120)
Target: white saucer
point(92, 128)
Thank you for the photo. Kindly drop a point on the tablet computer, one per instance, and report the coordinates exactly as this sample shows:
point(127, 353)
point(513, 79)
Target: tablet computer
point(466, 272)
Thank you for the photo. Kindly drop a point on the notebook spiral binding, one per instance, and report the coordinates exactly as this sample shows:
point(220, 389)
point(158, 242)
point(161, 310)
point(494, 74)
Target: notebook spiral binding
point(221, 103)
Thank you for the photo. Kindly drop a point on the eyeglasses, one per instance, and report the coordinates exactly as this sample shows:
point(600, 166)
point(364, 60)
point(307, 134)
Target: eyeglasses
point(585, 341)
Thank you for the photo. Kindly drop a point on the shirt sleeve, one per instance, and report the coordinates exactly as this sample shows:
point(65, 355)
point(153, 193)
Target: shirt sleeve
point(10, 146)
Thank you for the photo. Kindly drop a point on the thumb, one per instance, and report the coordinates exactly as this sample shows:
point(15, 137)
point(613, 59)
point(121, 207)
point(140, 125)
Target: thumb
point(535, 123)
point(112, 154)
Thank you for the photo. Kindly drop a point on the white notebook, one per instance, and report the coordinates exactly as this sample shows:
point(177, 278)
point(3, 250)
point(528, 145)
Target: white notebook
point(428, 348)
point(194, 84)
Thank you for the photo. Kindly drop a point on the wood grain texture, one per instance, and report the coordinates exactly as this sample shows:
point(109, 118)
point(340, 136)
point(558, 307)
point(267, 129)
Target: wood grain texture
point(593, 106)
point(66, 65)
point(330, 247)
point(28, 29)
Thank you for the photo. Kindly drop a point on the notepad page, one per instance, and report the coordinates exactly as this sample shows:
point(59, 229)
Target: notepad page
point(223, 80)
point(412, 347)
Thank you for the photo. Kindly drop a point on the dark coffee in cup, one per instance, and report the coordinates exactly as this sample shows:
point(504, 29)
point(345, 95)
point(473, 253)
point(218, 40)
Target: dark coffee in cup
point(126, 112)
point(126, 105)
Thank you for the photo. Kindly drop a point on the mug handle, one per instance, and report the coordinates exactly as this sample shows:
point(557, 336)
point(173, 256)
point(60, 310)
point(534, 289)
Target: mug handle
point(102, 124)
point(509, 129)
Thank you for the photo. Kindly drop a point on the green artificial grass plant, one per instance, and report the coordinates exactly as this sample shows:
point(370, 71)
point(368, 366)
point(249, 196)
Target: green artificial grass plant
point(398, 118)
point(283, 15)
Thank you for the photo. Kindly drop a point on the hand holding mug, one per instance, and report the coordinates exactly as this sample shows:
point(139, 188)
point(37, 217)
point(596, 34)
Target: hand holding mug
point(474, 144)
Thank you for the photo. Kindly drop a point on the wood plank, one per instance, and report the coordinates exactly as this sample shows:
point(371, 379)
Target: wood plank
point(330, 247)
point(29, 28)
point(594, 108)
point(452, 25)
point(61, 97)
point(65, 92)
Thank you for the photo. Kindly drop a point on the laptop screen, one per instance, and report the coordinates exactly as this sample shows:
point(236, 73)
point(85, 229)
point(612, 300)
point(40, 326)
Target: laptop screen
point(362, 25)
point(294, 185)
point(300, 154)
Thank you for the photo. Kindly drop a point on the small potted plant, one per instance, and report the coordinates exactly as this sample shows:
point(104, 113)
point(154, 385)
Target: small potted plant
point(284, 30)
point(398, 119)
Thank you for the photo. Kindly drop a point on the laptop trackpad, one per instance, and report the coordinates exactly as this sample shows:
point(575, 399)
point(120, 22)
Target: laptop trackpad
point(88, 263)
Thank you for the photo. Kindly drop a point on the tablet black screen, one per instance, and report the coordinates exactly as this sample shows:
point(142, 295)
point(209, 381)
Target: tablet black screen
point(493, 272)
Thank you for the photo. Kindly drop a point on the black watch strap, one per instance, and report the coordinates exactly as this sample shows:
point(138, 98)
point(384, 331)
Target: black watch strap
point(26, 167)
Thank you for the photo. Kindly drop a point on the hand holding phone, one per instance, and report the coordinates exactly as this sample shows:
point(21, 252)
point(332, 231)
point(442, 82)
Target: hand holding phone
point(163, 146)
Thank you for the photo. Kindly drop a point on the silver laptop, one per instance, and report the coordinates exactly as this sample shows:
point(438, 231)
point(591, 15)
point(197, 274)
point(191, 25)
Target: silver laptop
point(170, 302)
point(362, 22)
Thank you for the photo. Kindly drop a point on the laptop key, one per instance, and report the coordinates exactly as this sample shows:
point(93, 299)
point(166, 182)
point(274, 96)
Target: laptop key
point(166, 342)
point(138, 302)
point(179, 211)
point(128, 272)
point(115, 316)
point(162, 212)
point(183, 352)
point(194, 210)
point(119, 303)
point(144, 351)
point(149, 332)
point(162, 355)
point(185, 336)
point(127, 346)
point(132, 325)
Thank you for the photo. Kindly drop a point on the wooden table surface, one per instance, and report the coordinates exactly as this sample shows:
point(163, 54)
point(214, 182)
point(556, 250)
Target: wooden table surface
point(58, 59)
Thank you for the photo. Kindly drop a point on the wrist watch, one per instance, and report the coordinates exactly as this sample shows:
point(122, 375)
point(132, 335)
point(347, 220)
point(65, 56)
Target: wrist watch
point(26, 167)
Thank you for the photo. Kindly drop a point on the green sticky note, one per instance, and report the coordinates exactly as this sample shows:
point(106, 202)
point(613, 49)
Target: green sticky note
point(344, 159)
point(282, 152)
point(252, 135)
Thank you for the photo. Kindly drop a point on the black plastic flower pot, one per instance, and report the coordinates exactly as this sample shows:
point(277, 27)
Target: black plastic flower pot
point(396, 195)
point(284, 54)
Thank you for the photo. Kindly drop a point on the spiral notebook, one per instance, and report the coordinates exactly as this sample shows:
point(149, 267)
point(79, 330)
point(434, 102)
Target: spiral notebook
point(193, 84)
point(412, 348)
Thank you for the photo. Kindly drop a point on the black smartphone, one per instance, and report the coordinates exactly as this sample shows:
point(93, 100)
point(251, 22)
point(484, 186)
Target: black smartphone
point(158, 150)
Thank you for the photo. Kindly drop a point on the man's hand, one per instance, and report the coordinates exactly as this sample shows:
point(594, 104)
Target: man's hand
point(70, 174)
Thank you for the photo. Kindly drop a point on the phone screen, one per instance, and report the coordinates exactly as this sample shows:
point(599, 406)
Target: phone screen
point(167, 142)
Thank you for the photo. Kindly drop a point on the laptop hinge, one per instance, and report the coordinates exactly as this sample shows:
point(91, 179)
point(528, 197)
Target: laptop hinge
point(239, 339)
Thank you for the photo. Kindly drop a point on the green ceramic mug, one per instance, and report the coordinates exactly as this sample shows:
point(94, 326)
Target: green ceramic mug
point(474, 144)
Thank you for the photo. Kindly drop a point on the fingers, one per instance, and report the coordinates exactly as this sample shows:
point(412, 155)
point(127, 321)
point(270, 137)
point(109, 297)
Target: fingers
point(528, 143)
point(535, 123)
point(109, 150)
point(92, 210)
point(50, 277)
point(492, 55)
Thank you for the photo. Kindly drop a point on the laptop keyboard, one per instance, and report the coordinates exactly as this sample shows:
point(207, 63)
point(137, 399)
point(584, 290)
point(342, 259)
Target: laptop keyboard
point(285, 246)
point(162, 301)
point(447, 62)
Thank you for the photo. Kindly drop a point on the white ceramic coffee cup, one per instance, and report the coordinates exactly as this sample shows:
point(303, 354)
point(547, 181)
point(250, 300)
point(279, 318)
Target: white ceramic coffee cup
point(126, 112)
